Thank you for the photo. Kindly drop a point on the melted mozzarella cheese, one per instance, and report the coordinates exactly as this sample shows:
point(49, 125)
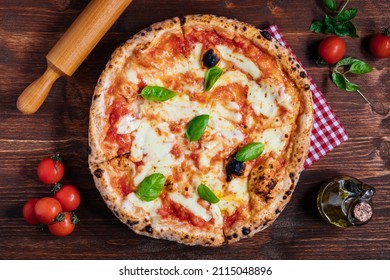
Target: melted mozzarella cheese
point(132, 200)
point(132, 76)
point(239, 60)
point(274, 138)
point(154, 149)
point(262, 99)
point(237, 196)
point(175, 109)
point(127, 124)
point(191, 203)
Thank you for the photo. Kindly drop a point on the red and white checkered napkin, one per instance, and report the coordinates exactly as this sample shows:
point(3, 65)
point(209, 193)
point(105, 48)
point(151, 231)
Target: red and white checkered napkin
point(327, 132)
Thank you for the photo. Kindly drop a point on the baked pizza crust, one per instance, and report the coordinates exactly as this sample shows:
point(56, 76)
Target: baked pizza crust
point(269, 185)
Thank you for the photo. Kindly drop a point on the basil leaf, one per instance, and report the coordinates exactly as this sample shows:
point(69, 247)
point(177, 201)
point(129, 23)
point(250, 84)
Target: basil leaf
point(212, 75)
point(330, 24)
point(351, 86)
point(157, 93)
point(359, 67)
point(345, 29)
point(250, 151)
point(346, 61)
point(151, 187)
point(347, 15)
point(330, 4)
point(207, 194)
point(317, 26)
point(196, 127)
point(339, 80)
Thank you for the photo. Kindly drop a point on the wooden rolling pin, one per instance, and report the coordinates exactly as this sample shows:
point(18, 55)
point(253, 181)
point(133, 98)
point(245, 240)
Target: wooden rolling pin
point(72, 49)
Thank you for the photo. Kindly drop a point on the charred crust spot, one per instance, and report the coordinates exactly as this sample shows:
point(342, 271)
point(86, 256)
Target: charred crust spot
point(212, 239)
point(132, 223)
point(271, 185)
point(183, 20)
point(143, 33)
point(307, 87)
point(96, 96)
point(298, 66)
point(292, 174)
point(289, 58)
point(284, 197)
point(229, 237)
point(288, 192)
point(246, 231)
point(260, 168)
point(294, 68)
point(235, 235)
point(148, 229)
point(235, 27)
point(266, 35)
point(266, 222)
point(98, 173)
point(276, 46)
point(89, 150)
point(279, 56)
point(148, 29)
point(277, 211)
point(244, 28)
point(186, 236)
point(302, 74)
point(299, 160)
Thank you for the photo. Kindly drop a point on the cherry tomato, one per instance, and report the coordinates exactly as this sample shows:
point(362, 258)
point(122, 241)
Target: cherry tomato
point(28, 211)
point(332, 49)
point(64, 225)
point(51, 170)
point(380, 44)
point(68, 196)
point(46, 210)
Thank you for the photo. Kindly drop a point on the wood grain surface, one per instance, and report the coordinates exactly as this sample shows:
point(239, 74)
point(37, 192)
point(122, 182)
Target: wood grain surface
point(28, 30)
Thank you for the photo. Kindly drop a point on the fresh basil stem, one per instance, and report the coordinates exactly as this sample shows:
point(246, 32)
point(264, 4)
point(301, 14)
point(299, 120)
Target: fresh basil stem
point(212, 75)
point(151, 187)
point(196, 127)
point(157, 93)
point(250, 151)
point(207, 194)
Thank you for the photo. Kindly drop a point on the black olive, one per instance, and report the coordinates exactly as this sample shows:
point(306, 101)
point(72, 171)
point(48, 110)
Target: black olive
point(266, 35)
point(210, 59)
point(234, 167)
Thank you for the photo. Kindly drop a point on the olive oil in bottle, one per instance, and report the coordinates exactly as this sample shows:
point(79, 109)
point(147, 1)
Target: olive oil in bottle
point(345, 201)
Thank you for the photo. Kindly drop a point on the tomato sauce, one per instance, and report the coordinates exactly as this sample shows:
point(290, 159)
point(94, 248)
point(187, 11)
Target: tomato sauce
point(171, 209)
point(126, 185)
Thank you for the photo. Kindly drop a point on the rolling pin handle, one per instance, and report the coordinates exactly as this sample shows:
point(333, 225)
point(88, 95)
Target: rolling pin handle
point(35, 94)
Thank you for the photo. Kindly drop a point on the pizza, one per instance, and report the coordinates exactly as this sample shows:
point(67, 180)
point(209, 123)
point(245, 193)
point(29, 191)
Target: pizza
point(199, 128)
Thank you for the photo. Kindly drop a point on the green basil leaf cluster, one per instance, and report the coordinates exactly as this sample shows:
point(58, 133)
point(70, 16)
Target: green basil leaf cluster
point(157, 93)
point(250, 151)
point(151, 187)
point(340, 24)
point(355, 66)
point(196, 127)
point(207, 194)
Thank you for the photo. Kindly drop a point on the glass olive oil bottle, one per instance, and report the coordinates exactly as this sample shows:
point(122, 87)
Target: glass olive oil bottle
point(345, 201)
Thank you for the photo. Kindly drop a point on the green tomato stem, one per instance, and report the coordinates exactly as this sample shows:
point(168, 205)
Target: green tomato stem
point(346, 3)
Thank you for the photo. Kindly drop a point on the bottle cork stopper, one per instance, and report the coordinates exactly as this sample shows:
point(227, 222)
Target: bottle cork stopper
point(362, 211)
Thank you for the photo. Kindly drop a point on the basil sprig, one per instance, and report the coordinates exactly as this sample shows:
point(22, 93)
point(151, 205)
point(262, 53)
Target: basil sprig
point(196, 127)
point(356, 66)
point(151, 187)
point(207, 194)
point(157, 93)
point(340, 24)
point(250, 151)
point(212, 75)
point(329, 4)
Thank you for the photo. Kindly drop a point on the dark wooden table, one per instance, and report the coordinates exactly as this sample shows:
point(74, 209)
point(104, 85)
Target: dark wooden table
point(28, 29)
